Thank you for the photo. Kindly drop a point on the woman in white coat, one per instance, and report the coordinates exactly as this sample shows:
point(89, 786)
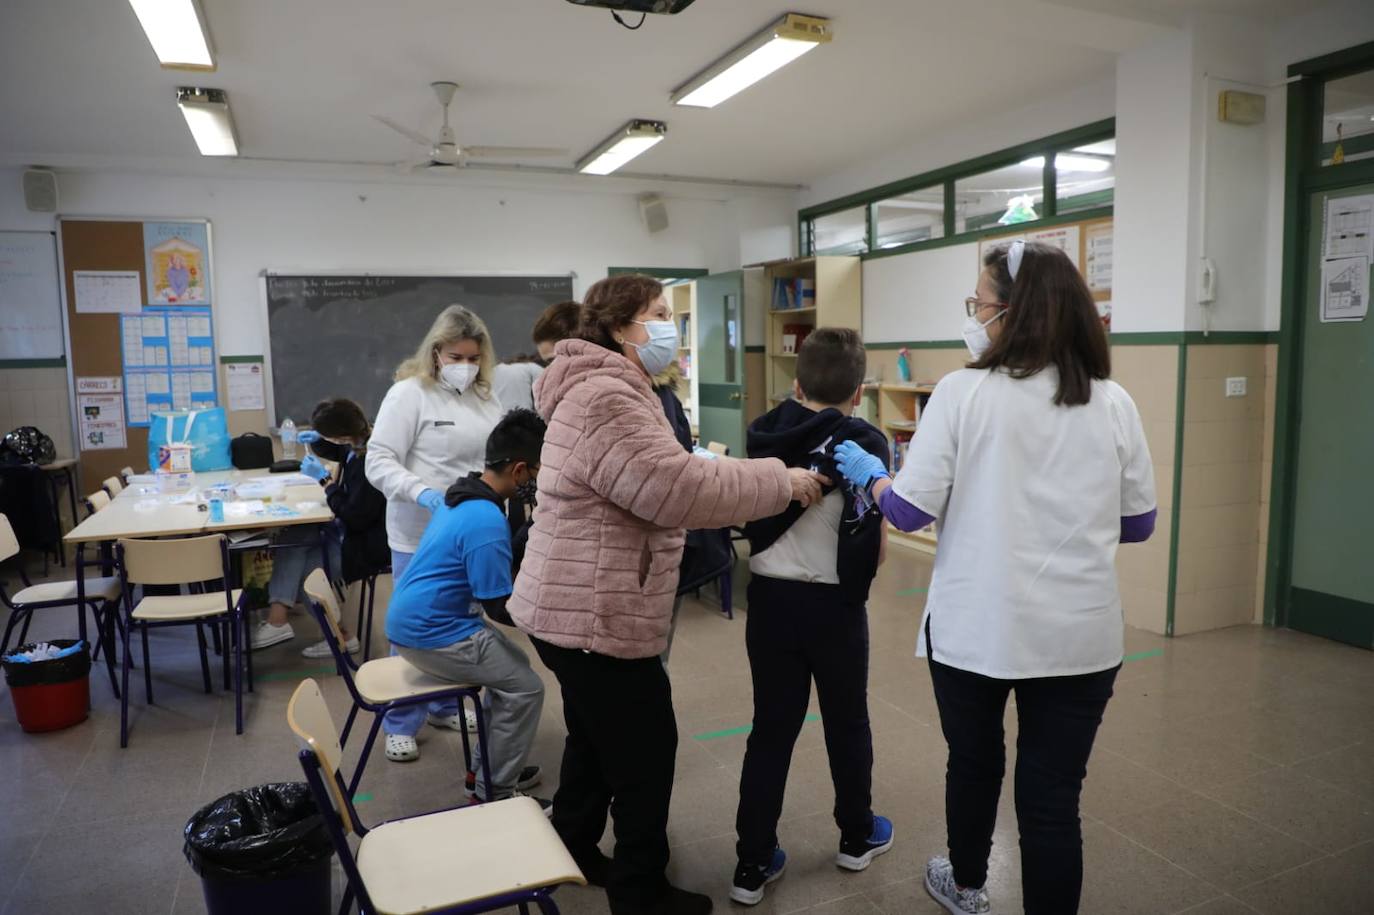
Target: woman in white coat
point(431, 430)
point(1035, 466)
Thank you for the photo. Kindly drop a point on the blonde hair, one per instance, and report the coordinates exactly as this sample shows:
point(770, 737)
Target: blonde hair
point(454, 323)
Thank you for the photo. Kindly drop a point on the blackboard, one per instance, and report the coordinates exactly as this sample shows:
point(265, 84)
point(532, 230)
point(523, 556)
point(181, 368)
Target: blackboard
point(343, 336)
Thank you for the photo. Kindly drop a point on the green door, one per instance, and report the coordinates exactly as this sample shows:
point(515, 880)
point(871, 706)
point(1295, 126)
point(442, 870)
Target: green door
point(719, 358)
point(1331, 580)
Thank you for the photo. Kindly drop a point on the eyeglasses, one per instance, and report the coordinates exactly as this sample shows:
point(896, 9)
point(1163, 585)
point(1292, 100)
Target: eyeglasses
point(972, 304)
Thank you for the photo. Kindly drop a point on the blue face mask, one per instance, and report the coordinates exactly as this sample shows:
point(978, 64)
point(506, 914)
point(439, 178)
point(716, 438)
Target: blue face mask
point(661, 350)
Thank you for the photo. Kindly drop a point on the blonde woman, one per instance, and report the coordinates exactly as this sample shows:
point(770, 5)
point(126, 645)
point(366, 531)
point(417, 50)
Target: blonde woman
point(431, 430)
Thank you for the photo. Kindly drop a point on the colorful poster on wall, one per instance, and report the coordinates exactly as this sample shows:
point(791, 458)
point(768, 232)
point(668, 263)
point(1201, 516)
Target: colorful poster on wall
point(100, 413)
point(169, 356)
point(177, 263)
point(1099, 267)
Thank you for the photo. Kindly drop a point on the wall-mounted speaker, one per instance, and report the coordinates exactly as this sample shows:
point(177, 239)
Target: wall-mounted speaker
point(40, 190)
point(654, 212)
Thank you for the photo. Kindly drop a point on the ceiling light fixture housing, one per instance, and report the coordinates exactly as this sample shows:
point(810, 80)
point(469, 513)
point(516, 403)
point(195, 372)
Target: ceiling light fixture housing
point(622, 146)
point(176, 30)
point(779, 44)
point(207, 114)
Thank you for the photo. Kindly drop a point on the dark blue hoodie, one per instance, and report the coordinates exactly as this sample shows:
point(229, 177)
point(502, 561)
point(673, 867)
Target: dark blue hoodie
point(802, 437)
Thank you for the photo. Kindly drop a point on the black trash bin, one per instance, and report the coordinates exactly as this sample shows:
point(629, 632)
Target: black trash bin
point(264, 850)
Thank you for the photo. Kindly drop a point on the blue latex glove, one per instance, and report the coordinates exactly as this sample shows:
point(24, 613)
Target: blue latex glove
point(308, 436)
point(431, 499)
point(314, 468)
point(858, 466)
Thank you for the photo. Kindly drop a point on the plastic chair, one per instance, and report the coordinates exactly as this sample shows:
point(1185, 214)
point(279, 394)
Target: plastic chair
point(113, 486)
point(100, 594)
point(197, 560)
point(124, 474)
point(96, 501)
point(386, 683)
point(469, 859)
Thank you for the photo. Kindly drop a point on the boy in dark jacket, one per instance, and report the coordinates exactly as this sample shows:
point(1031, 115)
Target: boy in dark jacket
point(357, 545)
point(811, 569)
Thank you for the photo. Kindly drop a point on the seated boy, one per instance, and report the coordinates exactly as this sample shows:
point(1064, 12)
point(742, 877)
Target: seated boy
point(807, 617)
point(434, 619)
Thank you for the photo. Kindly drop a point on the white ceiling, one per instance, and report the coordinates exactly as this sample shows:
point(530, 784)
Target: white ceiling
point(79, 83)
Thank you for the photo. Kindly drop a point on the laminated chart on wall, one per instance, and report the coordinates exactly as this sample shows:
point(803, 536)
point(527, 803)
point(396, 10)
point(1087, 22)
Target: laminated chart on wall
point(168, 356)
point(1347, 253)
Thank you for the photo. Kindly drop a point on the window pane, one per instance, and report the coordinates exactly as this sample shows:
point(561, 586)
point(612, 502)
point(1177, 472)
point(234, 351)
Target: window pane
point(1085, 177)
point(911, 217)
point(1348, 119)
point(1003, 196)
point(845, 232)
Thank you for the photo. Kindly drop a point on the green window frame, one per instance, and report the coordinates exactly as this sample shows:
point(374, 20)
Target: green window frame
point(1048, 147)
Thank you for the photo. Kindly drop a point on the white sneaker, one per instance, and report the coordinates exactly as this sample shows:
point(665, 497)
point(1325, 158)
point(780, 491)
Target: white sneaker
point(401, 748)
point(456, 722)
point(321, 649)
point(942, 888)
point(267, 635)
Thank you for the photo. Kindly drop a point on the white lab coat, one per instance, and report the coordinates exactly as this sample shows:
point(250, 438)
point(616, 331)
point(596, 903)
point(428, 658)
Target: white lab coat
point(426, 436)
point(1029, 498)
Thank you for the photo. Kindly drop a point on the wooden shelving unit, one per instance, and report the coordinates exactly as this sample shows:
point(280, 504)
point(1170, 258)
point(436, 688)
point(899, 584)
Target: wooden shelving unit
point(899, 413)
point(837, 283)
point(683, 298)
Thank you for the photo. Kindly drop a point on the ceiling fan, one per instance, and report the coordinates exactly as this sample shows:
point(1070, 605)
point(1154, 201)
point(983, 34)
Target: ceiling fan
point(445, 153)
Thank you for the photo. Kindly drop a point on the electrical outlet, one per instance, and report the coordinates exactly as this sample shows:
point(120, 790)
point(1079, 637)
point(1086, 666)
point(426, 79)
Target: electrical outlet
point(1235, 387)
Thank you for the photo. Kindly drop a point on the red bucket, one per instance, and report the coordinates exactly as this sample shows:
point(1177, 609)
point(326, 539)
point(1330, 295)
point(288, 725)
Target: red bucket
point(50, 695)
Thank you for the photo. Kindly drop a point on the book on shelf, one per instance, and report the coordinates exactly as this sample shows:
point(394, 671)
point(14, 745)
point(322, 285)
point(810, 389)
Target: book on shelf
point(792, 293)
point(684, 362)
point(684, 329)
point(901, 441)
point(793, 336)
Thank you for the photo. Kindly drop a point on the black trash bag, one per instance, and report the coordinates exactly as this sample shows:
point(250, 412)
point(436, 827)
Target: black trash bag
point(260, 833)
point(47, 673)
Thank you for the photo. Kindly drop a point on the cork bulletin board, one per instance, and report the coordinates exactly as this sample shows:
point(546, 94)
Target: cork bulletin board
point(117, 248)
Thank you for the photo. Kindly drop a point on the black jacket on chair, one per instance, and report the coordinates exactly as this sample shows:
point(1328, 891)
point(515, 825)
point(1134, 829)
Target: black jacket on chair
point(26, 499)
point(361, 510)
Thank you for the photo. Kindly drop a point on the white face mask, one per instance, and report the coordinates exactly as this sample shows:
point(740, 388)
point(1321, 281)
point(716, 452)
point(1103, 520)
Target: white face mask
point(976, 335)
point(458, 376)
point(661, 350)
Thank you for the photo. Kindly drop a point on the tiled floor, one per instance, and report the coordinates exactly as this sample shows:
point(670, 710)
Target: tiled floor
point(1234, 774)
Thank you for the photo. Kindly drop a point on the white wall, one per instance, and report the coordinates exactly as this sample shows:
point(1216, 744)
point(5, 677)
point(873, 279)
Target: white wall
point(296, 224)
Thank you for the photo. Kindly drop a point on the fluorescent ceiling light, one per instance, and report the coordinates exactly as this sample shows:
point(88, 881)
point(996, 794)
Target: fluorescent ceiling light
point(207, 114)
point(1069, 162)
point(176, 32)
point(776, 46)
point(622, 146)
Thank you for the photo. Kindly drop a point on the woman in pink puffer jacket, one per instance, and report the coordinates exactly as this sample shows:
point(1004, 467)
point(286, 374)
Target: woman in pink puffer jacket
point(595, 589)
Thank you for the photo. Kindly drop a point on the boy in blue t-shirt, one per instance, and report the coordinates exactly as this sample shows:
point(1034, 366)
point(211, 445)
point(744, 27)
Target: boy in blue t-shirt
point(435, 619)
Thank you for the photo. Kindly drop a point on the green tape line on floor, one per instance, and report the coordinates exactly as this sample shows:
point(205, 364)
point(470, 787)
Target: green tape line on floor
point(299, 674)
point(1142, 655)
point(361, 798)
point(743, 729)
point(910, 591)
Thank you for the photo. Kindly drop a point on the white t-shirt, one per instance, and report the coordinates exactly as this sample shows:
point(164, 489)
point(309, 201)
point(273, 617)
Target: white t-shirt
point(513, 384)
point(426, 437)
point(809, 549)
point(1029, 498)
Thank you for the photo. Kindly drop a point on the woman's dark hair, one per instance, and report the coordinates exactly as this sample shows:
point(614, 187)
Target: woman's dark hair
point(1051, 319)
point(339, 418)
point(558, 322)
point(612, 303)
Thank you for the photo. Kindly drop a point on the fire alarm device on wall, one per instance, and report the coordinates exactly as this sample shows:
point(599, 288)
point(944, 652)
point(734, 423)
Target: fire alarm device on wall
point(1236, 107)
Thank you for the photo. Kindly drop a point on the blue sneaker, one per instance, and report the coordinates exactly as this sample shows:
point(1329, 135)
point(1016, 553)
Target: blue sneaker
point(856, 856)
point(750, 879)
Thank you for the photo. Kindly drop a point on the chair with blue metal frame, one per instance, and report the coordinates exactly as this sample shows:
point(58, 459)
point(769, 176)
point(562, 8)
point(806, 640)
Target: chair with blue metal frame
point(462, 860)
point(386, 683)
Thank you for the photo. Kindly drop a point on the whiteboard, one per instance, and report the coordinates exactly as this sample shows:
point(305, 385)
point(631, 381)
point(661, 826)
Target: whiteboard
point(30, 308)
point(919, 295)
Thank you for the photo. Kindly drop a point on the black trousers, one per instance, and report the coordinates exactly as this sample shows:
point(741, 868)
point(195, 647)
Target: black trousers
point(618, 758)
point(797, 632)
point(1057, 720)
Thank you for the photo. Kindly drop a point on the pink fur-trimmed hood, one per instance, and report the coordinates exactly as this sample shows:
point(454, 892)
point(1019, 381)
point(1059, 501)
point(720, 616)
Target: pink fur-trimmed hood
point(616, 492)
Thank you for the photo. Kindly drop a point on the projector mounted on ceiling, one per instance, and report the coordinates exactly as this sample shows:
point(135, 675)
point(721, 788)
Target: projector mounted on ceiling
point(638, 6)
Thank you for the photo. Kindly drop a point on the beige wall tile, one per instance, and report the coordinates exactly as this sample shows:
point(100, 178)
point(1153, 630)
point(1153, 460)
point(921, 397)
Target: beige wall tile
point(1164, 489)
point(1230, 441)
point(1159, 435)
point(1145, 608)
point(1213, 568)
point(1221, 484)
point(1213, 609)
point(1146, 564)
point(1205, 527)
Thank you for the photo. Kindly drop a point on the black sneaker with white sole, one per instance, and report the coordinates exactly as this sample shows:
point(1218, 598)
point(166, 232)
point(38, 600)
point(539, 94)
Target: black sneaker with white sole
point(750, 879)
point(858, 855)
point(529, 777)
point(545, 804)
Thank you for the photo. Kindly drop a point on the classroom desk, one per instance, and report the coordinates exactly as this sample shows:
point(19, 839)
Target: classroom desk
point(139, 511)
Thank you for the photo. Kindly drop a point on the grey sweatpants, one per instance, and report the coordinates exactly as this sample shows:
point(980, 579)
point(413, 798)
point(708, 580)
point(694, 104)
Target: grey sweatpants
point(515, 694)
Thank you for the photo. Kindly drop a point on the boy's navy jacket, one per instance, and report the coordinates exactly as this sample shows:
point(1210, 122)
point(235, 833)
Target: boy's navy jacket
point(802, 437)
